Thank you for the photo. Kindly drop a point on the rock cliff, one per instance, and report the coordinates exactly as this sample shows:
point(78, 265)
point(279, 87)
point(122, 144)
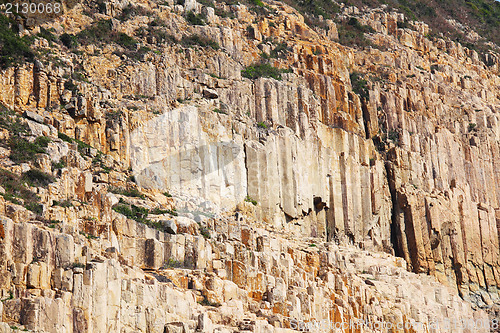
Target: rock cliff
point(234, 168)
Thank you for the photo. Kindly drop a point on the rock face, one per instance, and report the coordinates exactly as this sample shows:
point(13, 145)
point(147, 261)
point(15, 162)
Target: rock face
point(362, 186)
point(295, 283)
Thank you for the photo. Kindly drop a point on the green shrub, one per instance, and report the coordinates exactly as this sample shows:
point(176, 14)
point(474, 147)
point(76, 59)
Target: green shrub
point(23, 151)
point(88, 236)
point(134, 212)
point(219, 111)
point(352, 33)
point(64, 203)
point(158, 211)
point(280, 51)
point(359, 85)
point(54, 223)
point(393, 136)
point(358, 26)
point(69, 85)
point(125, 41)
point(130, 11)
point(16, 190)
point(168, 195)
point(325, 8)
point(252, 201)
point(35, 207)
point(257, 3)
point(172, 263)
point(12, 122)
point(262, 70)
point(113, 116)
point(38, 178)
point(65, 137)
point(77, 265)
point(133, 192)
point(14, 50)
point(59, 165)
point(140, 214)
point(100, 31)
point(204, 231)
point(403, 25)
point(48, 35)
point(262, 124)
point(43, 141)
point(206, 302)
point(70, 41)
point(196, 19)
point(199, 40)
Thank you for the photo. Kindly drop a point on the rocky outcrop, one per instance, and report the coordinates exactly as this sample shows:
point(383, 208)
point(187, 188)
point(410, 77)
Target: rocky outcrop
point(64, 282)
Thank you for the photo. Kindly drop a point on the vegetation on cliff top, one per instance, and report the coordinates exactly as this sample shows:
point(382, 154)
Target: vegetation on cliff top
point(13, 49)
point(352, 33)
point(482, 16)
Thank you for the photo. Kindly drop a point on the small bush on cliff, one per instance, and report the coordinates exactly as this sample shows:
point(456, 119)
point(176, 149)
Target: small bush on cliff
point(359, 85)
point(64, 203)
point(58, 165)
point(77, 265)
point(352, 33)
point(252, 201)
point(14, 50)
point(133, 192)
point(125, 40)
point(16, 191)
point(102, 32)
point(200, 41)
point(393, 136)
point(173, 263)
point(206, 302)
point(22, 150)
point(263, 70)
point(158, 211)
point(204, 231)
point(70, 41)
point(12, 122)
point(280, 51)
point(133, 212)
point(64, 137)
point(140, 214)
point(130, 11)
point(36, 177)
point(196, 19)
point(313, 9)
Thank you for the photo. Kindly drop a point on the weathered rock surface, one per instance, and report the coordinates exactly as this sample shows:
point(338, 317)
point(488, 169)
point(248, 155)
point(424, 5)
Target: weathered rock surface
point(302, 200)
